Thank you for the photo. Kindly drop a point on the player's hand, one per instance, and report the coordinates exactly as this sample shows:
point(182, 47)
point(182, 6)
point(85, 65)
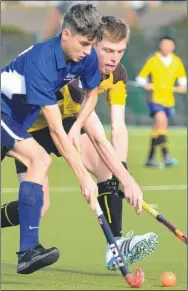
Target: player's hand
point(74, 135)
point(148, 86)
point(133, 194)
point(89, 189)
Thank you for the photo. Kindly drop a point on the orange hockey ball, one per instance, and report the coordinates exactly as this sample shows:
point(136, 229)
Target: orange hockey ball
point(168, 279)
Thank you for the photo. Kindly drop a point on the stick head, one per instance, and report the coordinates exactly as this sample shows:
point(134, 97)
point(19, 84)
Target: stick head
point(137, 280)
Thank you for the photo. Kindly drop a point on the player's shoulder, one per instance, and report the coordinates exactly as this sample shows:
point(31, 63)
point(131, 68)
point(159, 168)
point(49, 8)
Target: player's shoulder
point(176, 58)
point(120, 74)
point(36, 53)
point(151, 57)
point(40, 61)
point(46, 52)
point(48, 46)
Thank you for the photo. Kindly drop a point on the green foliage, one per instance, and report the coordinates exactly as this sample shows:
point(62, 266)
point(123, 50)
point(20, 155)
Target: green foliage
point(181, 24)
point(11, 29)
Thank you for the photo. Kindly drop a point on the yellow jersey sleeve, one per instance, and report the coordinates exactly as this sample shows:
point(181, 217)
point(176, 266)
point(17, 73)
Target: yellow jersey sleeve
point(181, 70)
point(117, 94)
point(146, 70)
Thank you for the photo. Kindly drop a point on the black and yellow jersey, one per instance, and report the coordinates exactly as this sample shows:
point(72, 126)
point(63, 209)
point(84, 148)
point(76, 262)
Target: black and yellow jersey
point(163, 77)
point(71, 96)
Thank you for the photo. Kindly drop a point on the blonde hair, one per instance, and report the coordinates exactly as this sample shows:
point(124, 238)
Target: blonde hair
point(115, 29)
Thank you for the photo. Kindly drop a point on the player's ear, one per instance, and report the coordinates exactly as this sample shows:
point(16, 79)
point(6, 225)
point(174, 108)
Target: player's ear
point(66, 33)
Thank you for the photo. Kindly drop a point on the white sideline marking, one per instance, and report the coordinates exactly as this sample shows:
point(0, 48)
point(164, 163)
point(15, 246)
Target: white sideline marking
point(70, 189)
point(164, 187)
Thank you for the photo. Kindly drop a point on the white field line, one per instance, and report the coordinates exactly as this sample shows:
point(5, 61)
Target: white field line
point(145, 130)
point(76, 189)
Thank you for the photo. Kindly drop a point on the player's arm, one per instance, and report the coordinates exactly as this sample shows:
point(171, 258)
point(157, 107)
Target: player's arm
point(88, 105)
point(54, 119)
point(119, 133)
point(117, 96)
point(89, 80)
point(96, 133)
point(182, 79)
point(142, 78)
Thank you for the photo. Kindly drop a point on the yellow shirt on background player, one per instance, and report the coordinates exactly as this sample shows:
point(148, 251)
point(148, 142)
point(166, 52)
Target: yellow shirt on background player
point(71, 96)
point(163, 75)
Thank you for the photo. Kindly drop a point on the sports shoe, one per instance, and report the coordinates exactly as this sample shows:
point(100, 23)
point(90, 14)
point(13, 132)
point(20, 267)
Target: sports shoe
point(36, 258)
point(153, 164)
point(171, 162)
point(133, 248)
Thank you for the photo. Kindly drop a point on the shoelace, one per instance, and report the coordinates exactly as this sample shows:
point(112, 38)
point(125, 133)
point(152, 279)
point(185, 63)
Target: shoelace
point(129, 235)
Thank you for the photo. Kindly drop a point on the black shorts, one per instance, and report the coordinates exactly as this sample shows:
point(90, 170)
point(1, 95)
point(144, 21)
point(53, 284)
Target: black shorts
point(43, 137)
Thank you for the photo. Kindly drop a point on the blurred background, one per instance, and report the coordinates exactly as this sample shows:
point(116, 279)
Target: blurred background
point(24, 23)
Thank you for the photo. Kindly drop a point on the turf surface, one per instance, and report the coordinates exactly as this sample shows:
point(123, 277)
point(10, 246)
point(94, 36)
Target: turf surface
point(71, 226)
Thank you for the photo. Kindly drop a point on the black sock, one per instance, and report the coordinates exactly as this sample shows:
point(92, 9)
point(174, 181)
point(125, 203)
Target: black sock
point(9, 214)
point(111, 205)
point(152, 148)
point(162, 142)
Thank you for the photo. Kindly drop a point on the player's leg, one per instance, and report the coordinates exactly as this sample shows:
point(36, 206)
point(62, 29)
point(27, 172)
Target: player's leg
point(96, 167)
point(133, 247)
point(154, 110)
point(9, 211)
point(163, 139)
point(21, 146)
point(9, 214)
point(43, 138)
point(111, 205)
point(161, 128)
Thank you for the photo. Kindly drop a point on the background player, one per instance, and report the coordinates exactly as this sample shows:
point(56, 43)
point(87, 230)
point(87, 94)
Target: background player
point(163, 68)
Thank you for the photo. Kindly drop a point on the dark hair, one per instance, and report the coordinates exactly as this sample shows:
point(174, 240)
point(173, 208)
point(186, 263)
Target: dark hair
point(167, 37)
point(114, 28)
point(83, 19)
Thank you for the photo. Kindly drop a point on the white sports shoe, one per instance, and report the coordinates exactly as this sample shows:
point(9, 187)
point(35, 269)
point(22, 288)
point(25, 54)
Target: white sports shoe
point(133, 248)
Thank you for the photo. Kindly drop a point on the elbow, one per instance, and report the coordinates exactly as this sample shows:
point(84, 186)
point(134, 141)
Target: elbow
point(55, 132)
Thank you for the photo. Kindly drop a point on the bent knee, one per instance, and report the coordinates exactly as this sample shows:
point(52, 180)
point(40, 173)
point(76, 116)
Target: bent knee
point(41, 159)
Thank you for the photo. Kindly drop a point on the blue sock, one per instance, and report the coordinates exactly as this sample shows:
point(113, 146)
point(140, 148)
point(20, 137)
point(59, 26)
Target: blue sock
point(30, 205)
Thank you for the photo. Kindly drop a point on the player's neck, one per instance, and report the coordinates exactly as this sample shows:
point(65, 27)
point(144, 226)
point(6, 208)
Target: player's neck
point(165, 55)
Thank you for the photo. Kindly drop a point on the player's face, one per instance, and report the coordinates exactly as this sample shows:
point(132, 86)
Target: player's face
point(109, 54)
point(167, 46)
point(76, 47)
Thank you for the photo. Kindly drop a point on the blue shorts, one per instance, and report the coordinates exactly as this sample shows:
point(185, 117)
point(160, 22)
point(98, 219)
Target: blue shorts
point(10, 132)
point(154, 108)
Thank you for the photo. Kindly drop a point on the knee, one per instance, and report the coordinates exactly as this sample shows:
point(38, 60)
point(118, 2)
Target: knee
point(41, 160)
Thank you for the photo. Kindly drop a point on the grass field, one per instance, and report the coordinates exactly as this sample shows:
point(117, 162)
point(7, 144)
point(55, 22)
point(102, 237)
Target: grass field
point(71, 226)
